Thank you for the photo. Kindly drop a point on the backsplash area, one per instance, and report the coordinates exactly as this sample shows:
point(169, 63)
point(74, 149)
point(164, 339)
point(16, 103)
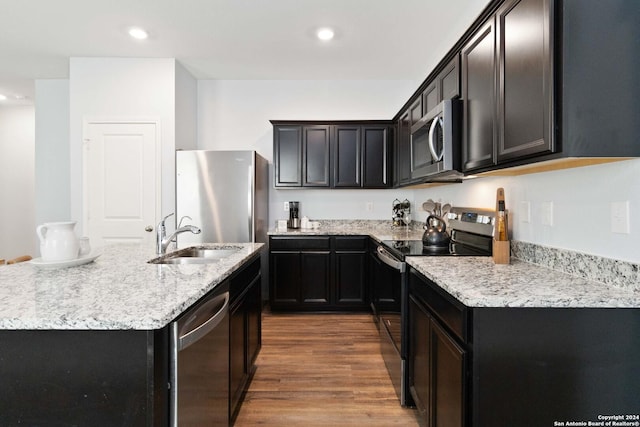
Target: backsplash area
point(592, 267)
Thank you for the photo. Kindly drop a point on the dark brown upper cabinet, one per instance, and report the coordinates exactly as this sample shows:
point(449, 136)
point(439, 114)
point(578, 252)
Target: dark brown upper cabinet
point(403, 153)
point(479, 98)
point(446, 85)
point(316, 143)
point(287, 156)
point(333, 154)
point(507, 86)
point(301, 155)
point(525, 98)
point(376, 154)
point(361, 156)
point(347, 153)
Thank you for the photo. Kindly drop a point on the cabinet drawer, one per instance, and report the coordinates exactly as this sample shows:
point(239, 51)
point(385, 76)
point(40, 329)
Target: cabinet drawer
point(351, 243)
point(445, 308)
point(300, 243)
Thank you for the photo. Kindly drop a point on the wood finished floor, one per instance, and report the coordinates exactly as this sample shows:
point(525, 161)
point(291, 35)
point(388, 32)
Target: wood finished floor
point(321, 370)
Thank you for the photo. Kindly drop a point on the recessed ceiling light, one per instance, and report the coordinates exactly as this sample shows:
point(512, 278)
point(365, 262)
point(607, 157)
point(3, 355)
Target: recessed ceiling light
point(325, 34)
point(138, 33)
point(3, 97)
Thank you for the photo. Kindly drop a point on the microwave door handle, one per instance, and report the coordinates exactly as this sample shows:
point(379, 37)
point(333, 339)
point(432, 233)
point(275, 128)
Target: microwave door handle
point(432, 133)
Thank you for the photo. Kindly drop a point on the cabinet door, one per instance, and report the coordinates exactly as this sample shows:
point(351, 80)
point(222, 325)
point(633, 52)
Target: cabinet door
point(346, 156)
point(446, 85)
point(287, 156)
point(315, 278)
point(420, 358)
point(253, 311)
point(375, 157)
point(315, 155)
point(237, 357)
point(479, 95)
point(430, 97)
point(525, 98)
point(351, 279)
point(449, 80)
point(447, 380)
point(415, 112)
point(403, 147)
point(285, 277)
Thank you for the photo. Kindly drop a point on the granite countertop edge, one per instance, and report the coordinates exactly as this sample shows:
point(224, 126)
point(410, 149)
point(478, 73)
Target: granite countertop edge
point(120, 290)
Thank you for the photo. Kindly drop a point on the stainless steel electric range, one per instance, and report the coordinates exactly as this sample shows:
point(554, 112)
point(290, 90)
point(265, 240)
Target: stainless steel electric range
point(471, 232)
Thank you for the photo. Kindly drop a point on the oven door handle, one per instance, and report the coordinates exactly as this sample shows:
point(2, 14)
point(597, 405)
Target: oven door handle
point(390, 260)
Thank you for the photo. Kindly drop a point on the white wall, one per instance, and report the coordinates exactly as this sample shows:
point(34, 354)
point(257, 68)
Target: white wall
point(186, 109)
point(52, 179)
point(581, 200)
point(17, 213)
point(122, 88)
point(235, 114)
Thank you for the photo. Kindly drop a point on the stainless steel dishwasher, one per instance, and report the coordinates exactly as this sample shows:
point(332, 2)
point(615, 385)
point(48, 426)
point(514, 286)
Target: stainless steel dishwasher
point(199, 366)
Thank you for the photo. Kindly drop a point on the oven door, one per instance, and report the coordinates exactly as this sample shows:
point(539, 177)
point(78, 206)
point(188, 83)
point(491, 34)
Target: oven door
point(389, 288)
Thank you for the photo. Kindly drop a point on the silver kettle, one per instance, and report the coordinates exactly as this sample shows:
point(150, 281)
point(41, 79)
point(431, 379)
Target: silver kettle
point(435, 234)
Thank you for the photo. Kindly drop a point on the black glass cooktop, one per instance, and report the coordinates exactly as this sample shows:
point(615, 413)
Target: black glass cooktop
point(480, 246)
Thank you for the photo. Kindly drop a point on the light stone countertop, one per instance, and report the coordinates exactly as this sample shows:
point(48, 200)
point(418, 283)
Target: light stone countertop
point(119, 290)
point(378, 229)
point(479, 282)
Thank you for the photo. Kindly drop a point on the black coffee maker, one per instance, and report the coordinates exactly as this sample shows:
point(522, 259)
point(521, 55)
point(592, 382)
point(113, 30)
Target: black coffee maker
point(294, 215)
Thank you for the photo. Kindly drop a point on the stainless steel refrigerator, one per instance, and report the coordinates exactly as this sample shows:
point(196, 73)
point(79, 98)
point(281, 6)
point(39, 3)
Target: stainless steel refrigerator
point(226, 194)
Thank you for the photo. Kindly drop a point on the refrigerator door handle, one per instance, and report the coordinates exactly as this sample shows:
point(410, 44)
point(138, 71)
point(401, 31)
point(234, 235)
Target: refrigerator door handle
point(250, 214)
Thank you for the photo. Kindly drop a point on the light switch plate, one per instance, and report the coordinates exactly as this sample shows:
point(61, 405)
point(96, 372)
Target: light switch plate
point(620, 217)
point(286, 206)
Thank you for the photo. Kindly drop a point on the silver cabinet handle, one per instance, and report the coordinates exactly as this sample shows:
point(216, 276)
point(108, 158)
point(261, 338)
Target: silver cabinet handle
point(148, 228)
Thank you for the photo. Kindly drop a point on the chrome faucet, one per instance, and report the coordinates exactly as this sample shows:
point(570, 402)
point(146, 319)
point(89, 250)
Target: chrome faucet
point(162, 241)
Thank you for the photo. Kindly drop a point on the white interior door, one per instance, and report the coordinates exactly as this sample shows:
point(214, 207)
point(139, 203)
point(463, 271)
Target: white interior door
point(121, 179)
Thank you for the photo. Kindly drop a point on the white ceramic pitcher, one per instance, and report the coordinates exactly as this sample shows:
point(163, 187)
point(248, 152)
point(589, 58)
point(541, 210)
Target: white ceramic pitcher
point(58, 241)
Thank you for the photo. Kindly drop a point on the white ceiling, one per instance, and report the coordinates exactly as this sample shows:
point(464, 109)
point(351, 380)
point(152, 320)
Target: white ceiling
point(233, 39)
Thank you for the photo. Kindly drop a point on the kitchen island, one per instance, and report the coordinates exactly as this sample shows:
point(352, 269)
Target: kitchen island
point(89, 345)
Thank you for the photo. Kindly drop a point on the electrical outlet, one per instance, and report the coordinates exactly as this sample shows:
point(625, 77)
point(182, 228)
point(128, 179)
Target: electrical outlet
point(369, 206)
point(286, 206)
point(620, 217)
point(525, 212)
point(547, 213)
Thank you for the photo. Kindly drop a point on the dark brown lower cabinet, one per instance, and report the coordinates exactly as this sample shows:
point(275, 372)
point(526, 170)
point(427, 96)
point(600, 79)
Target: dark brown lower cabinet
point(519, 366)
point(245, 334)
point(350, 261)
point(318, 273)
point(299, 272)
point(437, 370)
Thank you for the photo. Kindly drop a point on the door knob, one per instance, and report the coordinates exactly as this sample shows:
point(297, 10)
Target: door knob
point(148, 228)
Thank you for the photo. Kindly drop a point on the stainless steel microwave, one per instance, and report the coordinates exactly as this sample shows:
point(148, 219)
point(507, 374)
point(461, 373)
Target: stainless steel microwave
point(436, 143)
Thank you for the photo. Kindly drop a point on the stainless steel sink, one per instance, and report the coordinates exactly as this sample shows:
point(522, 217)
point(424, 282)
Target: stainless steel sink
point(195, 255)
